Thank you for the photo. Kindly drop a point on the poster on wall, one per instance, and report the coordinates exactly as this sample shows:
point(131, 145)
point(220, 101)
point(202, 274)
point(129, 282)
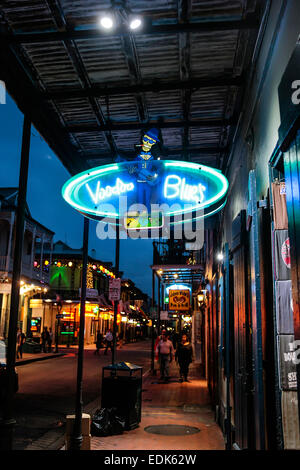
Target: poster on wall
point(284, 308)
point(287, 359)
point(290, 425)
point(179, 299)
point(282, 255)
point(279, 206)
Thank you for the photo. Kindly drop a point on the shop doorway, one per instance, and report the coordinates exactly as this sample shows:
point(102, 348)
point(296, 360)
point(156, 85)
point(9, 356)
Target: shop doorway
point(242, 350)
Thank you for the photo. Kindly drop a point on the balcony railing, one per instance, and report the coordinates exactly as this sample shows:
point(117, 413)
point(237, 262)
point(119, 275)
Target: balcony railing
point(166, 253)
point(3, 264)
point(26, 270)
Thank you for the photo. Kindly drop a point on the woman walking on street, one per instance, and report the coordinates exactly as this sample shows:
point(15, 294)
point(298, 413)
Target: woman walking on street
point(184, 356)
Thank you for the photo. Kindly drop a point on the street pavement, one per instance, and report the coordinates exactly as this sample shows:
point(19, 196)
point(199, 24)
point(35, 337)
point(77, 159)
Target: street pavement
point(169, 407)
point(47, 391)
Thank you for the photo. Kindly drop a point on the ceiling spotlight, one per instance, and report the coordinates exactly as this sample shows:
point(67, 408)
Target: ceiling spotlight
point(135, 22)
point(107, 21)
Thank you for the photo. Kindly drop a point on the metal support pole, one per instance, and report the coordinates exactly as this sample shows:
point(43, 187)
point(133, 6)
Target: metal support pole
point(180, 325)
point(59, 307)
point(116, 303)
point(76, 438)
point(158, 308)
point(152, 328)
point(227, 351)
point(8, 422)
point(57, 331)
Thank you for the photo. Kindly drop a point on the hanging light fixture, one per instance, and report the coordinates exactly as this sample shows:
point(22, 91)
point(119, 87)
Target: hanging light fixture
point(107, 20)
point(119, 14)
point(135, 22)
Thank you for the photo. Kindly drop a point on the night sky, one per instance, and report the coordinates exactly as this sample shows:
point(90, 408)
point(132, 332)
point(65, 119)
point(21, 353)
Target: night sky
point(45, 180)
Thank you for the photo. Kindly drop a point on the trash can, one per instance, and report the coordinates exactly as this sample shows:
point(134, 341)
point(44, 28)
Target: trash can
point(122, 389)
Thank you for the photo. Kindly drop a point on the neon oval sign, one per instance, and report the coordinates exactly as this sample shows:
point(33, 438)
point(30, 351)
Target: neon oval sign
point(177, 188)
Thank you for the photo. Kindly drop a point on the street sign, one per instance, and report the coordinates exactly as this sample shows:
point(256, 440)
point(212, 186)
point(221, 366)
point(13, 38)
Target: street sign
point(164, 315)
point(90, 293)
point(114, 289)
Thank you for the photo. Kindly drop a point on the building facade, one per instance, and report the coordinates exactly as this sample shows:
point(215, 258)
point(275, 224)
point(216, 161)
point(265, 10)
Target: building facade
point(253, 285)
point(35, 274)
point(59, 308)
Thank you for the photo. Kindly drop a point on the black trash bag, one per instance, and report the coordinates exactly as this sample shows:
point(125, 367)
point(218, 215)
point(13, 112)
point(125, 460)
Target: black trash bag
point(106, 422)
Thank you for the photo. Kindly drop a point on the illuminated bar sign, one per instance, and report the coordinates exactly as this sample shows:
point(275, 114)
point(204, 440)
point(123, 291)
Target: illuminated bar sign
point(175, 187)
point(179, 299)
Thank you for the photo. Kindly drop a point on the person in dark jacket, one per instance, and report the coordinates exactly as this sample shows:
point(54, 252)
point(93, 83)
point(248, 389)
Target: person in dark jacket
point(184, 356)
point(99, 341)
point(45, 338)
point(20, 342)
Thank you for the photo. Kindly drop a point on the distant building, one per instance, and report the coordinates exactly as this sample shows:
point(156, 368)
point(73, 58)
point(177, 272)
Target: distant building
point(51, 284)
point(134, 310)
point(60, 306)
point(35, 274)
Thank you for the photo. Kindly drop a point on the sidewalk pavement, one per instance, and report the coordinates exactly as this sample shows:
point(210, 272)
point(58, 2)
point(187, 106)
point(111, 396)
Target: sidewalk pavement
point(63, 351)
point(34, 357)
point(173, 403)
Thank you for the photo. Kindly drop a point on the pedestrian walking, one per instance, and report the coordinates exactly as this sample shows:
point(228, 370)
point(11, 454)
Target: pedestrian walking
point(109, 341)
point(99, 340)
point(165, 353)
point(20, 341)
point(50, 339)
point(184, 356)
point(45, 338)
point(157, 340)
point(120, 339)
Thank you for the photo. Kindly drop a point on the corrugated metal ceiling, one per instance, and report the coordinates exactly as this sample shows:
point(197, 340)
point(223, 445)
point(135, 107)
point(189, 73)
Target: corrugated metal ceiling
point(191, 116)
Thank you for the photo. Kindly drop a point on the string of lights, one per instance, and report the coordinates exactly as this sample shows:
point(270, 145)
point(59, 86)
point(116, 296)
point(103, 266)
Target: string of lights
point(69, 264)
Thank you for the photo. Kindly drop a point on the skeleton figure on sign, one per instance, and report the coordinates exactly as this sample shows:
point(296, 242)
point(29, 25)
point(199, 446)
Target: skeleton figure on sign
point(145, 170)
